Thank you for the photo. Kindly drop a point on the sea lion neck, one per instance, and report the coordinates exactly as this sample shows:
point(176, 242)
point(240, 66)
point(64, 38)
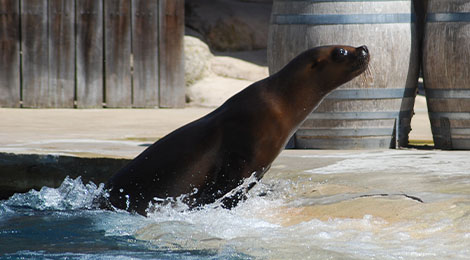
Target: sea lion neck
point(297, 95)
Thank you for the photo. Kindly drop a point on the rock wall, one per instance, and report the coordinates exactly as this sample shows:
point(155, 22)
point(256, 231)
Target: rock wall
point(211, 79)
point(230, 25)
point(225, 48)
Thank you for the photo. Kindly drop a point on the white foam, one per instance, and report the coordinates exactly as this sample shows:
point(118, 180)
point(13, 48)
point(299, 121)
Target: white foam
point(71, 195)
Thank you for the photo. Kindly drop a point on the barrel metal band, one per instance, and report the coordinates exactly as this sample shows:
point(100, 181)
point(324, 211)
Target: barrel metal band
point(329, 19)
point(450, 115)
point(359, 115)
point(385, 93)
point(453, 131)
point(344, 143)
point(448, 17)
point(347, 132)
point(448, 93)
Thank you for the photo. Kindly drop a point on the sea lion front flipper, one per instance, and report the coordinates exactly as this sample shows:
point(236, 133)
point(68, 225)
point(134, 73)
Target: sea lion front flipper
point(239, 194)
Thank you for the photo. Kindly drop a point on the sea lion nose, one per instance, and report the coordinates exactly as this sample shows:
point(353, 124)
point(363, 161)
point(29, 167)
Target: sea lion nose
point(363, 49)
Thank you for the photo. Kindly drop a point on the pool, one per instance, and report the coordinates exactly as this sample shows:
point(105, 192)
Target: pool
point(354, 206)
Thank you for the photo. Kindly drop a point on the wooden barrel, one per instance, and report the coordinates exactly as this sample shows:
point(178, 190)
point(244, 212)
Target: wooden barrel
point(366, 112)
point(447, 72)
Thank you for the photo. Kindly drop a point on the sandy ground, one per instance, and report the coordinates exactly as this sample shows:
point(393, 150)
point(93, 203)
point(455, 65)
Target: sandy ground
point(420, 124)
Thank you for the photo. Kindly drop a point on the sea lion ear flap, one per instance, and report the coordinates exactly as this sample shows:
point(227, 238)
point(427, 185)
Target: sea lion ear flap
point(318, 63)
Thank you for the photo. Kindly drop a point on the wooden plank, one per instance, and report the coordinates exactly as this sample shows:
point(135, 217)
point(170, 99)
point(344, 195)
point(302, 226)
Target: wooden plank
point(89, 53)
point(34, 46)
point(61, 54)
point(118, 89)
point(172, 87)
point(9, 54)
point(145, 53)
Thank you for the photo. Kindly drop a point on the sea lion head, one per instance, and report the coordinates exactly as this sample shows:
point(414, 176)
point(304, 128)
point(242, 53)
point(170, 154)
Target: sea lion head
point(328, 67)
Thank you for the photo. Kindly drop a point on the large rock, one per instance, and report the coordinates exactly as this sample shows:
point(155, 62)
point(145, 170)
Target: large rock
point(230, 24)
point(214, 90)
point(200, 63)
point(237, 69)
point(197, 58)
point(227, 76)
point(211, 79)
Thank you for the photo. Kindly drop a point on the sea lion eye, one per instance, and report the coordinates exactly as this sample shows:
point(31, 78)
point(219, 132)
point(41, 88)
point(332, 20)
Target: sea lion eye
point(339, 54)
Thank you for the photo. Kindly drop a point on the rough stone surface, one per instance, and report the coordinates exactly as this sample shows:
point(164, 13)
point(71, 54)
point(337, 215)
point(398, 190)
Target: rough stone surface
point(230, 24)
point(225, 77)
point(238, 69)
point(214, 90)
point(225, 48)
point(211, 79)
point(197, 57)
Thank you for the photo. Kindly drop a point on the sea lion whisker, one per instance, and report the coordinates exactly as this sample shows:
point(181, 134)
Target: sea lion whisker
point(366, 78)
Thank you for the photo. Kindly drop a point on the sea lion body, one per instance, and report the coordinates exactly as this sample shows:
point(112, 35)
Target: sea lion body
point(211, 156)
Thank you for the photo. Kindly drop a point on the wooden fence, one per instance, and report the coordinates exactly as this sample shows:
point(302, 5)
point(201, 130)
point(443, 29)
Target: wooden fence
point(91, 53)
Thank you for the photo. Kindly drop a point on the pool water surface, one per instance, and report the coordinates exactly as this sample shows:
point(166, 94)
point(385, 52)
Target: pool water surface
point(370, 205)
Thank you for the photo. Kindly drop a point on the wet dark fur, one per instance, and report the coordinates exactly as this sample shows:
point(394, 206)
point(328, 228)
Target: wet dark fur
point(214, 154)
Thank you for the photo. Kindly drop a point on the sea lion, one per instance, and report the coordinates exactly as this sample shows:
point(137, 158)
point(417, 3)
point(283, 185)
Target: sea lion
point(211, 156)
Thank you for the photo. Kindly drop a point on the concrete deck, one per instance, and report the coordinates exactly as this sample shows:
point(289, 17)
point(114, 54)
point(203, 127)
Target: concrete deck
point(115, 133)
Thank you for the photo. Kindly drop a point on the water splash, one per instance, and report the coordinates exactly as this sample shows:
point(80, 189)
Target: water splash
point(71, 195)
point(175, 205)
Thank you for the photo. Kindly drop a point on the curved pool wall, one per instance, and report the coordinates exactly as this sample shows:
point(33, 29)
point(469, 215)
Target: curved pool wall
point(23, 172)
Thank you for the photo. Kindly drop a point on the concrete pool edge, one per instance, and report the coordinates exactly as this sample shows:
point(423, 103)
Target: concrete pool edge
point(23, 172)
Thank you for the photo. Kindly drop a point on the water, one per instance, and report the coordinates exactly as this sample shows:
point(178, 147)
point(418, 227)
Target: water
point(352, 208)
